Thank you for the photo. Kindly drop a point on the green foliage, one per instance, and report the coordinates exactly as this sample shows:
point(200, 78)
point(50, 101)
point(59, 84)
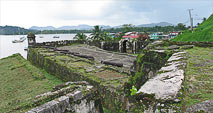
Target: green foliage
point(106, 36)
point(181, 26)
point(19, 77)
point(198, 76)
point(127, 28)
point(133, 90)
point(14, 30)
point(96, 33)
point(80, 36)
point(106, 110)
point(204, 32)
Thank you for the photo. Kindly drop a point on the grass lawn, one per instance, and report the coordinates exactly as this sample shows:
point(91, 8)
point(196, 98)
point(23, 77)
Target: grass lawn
point(20, 82)
point(199, 76)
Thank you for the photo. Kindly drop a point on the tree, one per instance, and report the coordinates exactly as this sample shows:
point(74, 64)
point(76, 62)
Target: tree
point(181, 26)
point(143, 36)
point(204, 19)
point(198, 24)
point(127, 28)
point(80, 36)
point(106, 36)
point(96, 33)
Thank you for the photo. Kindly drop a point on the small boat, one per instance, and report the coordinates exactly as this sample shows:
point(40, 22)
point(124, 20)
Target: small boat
point(22, 39)
point(55, 36)
point(41, 37)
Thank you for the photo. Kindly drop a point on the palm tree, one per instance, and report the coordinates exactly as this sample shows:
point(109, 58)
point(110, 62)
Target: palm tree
point(96, 33)
point(80, 36)
point(106, 36)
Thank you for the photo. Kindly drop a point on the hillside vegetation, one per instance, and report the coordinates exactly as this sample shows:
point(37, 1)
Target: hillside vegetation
point(203, 33)
point(20, 82)
point(14, 30)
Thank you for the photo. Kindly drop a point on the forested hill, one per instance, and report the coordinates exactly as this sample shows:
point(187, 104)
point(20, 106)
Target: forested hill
point(204, 32)
point(13, 30)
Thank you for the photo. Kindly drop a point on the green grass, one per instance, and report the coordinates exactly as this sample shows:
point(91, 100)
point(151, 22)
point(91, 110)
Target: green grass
point(20, 82)
point(106, 110)
point(203, 33)
point(198, 85)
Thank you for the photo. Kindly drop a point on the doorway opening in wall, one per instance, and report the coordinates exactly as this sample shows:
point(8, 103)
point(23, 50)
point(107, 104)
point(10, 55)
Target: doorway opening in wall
point(124, 46)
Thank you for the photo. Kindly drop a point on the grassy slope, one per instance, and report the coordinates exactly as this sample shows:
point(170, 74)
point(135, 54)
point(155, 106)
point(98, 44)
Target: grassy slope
point(20, 81)
point(204, 32)
point(199, 76)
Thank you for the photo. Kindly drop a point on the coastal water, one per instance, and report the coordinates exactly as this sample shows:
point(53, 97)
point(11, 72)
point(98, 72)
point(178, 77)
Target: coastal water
point(8, 48)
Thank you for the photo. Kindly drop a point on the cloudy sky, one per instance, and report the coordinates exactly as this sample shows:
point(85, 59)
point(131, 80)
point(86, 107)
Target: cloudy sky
point(27, 13)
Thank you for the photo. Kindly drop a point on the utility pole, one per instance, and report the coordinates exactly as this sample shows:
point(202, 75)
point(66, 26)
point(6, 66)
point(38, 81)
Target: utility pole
point(191, 19)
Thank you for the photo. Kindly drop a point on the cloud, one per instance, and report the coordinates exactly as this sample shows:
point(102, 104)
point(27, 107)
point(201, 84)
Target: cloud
point(27, 13)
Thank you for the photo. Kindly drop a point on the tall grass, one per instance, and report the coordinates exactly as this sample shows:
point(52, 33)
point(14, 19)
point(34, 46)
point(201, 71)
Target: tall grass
point(203, 33)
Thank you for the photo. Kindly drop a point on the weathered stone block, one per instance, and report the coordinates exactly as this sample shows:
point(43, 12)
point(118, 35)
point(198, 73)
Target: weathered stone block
point(166, 84)
point(187, 46)
point(173, 47)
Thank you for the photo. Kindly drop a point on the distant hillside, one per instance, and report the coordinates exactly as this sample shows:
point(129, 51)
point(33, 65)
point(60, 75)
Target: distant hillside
point(162, 24)
point(88, 27)
point(79, 27)
point(204, 32)
point(43, 28)
point(13, 30)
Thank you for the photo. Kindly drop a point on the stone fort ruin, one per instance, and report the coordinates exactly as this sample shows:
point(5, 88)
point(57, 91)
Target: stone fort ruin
point(109, 72)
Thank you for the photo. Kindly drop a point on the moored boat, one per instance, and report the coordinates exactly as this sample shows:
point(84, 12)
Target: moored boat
point(56, 37)
point(22, 39)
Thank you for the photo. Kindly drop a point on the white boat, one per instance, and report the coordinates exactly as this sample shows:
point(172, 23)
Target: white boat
point(56, 37)
point(22, 39)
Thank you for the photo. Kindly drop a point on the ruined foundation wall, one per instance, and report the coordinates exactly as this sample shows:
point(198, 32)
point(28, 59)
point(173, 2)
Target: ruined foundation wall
point(74, 97)
point(111, 99)
point(105, 45)
point(147, 65)
point(60, 43)
point(164, 91)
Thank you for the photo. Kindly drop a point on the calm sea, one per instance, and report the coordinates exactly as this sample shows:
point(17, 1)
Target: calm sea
point(8, 48)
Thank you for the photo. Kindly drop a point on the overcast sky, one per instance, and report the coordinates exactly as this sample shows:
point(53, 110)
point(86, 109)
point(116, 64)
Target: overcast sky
point(27, 13)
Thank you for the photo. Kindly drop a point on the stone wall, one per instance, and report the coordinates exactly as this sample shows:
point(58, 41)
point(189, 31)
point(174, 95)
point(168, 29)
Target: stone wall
point(131, 46)
point(59, 43)
point(106, 45)
point(115, 99)
point(141, 45)
point(75, 97)
point(112, 98)
point(163, 91)
point(147, 65)
point(109, 46)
